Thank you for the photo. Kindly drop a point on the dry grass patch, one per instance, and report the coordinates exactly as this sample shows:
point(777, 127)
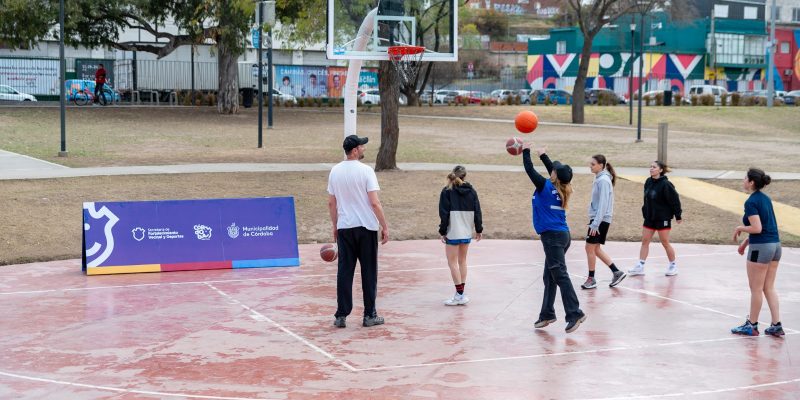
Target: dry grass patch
point(43, 217)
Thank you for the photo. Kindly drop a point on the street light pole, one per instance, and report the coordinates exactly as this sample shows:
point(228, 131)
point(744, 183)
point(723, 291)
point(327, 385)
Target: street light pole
point(630, 81)
point(771, 62)
point(260, 12)
point(62, 74)
point(641, 71)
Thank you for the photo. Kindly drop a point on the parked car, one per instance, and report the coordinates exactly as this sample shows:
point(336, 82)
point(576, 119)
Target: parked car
point(283, 97)
point(791, 98)
point(473, 97)
point(558, 96)
point(701, 90)
point(593, 96)
point(524, 96)
point(373, 96)
point(502, 94)
point(7, 93)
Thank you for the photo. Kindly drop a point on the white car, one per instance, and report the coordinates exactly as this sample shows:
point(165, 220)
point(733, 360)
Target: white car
point(373, 96)
point(7, 93)
point(713, 90)
point(283, 97)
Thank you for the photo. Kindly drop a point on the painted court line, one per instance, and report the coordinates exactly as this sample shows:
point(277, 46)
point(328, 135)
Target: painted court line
point(566, 353)
point(241, 280)
point(119, 390)
point(701, 392)
point(263, 317)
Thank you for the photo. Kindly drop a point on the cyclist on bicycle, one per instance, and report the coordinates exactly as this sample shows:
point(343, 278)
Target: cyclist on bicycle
point(99, 81)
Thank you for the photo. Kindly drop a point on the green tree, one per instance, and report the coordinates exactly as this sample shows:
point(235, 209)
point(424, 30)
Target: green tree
point(96, 23)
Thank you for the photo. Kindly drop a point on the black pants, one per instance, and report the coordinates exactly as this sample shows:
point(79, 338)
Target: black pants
point(98, 89)
point(556, 245)
point(357, 244)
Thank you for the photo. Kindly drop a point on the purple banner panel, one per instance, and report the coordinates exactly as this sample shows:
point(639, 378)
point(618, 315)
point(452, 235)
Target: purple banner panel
point(149, 236)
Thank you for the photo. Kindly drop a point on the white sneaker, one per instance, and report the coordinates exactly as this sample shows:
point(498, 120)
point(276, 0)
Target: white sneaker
point(672, 270)
point(457, 300)
point(637, 270)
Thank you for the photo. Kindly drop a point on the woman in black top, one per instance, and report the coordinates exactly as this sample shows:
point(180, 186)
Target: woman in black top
point(661, 204)
point(459, 215)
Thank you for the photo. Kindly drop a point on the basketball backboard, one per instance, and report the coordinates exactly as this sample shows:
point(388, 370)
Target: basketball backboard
point(432, 24)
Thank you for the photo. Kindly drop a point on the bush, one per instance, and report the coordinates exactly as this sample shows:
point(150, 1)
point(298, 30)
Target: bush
point(660, 98)
point(694, 99)
point(736, 99)
point(547, 101)
point(646, 99)
point(723, 99)
point(707, 100)
point(517, 100)
point(761, 101)
point(534, 99)
point(678, 99)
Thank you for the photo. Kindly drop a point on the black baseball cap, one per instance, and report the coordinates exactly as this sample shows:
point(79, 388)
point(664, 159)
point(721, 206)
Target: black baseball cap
point(353, 141)
point(563, 172)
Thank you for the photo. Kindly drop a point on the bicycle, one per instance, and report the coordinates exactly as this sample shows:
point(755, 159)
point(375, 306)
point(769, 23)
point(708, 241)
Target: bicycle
point(85, 96)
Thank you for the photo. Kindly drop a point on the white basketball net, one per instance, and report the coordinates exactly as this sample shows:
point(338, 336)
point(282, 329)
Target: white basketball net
point(407, 61)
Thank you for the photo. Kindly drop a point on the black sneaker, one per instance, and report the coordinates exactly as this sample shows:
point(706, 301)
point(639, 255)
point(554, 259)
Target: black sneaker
point(339, 322)
point(573, 325)
point(775, 330)
point(372, 321)
point(541, 323)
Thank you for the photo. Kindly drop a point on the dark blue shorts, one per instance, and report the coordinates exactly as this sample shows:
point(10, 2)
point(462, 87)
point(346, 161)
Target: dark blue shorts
point(456, 242)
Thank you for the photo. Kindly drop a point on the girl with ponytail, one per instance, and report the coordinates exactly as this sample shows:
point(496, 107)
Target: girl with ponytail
point(459, 215)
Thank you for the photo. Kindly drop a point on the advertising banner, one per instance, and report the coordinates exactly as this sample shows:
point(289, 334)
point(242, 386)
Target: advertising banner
point(86, 67)
point(302, 81)
point(31, 76)
point(183, 235)
point(368, 79)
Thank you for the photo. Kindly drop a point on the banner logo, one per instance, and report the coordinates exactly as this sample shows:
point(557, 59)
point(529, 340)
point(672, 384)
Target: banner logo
point(95, 248)
point(138, 233)
point(203, 232)
point(233, 231)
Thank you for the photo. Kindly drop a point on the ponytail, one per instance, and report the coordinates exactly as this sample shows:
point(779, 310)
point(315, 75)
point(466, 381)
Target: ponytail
point(601, 159)
point(564, 191)
point(456, 178)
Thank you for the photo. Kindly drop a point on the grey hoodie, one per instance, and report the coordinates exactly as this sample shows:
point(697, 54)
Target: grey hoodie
point(601, 209)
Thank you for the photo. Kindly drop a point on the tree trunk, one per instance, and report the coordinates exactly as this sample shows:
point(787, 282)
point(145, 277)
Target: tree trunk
point(579, 90)
point(228, 95)
point(412, 97)
point(390, 132)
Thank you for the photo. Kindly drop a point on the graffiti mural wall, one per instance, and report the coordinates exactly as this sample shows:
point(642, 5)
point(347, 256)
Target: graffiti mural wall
point(676, 72)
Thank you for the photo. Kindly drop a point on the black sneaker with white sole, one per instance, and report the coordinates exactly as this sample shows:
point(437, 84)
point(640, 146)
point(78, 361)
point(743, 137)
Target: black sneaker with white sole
point(541, 323)
point(339, 322)
point(618, 277)
point(372, 321)
point(573, 325)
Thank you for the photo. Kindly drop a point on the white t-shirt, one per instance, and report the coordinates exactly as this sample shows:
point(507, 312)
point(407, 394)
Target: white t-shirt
point(349, 181)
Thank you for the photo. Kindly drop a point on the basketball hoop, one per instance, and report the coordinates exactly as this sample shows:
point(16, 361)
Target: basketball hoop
point(407, 60)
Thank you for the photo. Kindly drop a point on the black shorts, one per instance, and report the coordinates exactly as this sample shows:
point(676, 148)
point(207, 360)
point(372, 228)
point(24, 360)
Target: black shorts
point(600, 238)
point(654, 225)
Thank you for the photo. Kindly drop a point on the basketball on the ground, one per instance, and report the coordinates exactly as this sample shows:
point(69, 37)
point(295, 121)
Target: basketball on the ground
point(514, 146)
point(526, 121)
point(328, 252)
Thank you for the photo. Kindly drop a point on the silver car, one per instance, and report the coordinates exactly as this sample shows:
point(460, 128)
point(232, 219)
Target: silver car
point(7, 93)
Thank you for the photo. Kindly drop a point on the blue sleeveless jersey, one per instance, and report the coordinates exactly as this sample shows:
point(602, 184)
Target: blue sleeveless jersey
point(547, 212)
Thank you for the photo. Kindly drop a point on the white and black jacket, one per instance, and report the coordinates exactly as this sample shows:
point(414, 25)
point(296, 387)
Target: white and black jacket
point(459, 212)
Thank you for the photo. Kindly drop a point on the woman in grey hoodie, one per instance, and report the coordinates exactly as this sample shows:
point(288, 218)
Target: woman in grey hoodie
point(601, 210)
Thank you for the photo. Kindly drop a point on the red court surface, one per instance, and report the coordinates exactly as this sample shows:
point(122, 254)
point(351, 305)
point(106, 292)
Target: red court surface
point(267, 333)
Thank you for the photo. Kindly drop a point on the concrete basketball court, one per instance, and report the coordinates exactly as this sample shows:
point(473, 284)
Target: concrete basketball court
point(267, 333)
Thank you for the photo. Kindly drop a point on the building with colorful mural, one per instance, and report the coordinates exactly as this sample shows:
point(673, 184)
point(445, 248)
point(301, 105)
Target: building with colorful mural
point(726, 46)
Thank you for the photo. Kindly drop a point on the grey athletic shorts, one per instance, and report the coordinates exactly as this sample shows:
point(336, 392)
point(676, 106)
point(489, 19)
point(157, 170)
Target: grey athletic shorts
point(764, 253)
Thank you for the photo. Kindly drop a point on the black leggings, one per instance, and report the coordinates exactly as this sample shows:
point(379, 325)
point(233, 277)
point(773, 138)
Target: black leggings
point(98, 90)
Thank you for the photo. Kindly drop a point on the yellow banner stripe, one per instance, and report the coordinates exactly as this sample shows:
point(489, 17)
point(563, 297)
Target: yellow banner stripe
point(125, 269)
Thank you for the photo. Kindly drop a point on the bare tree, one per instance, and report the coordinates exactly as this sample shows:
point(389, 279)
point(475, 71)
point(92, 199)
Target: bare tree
point(591, 16)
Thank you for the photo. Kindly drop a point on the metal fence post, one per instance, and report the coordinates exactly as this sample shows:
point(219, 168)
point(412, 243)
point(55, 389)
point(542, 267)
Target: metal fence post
point(662, 142)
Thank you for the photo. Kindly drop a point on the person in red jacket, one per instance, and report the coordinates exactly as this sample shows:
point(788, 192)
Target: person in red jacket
point(99, 81)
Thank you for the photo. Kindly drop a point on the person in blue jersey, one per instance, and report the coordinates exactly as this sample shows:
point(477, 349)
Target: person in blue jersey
point(549, 203)
point(459, 216)
point(763, 253)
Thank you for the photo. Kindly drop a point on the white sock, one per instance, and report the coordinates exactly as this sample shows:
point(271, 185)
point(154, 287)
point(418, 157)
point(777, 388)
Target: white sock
point(672, 264)
point(641, 263)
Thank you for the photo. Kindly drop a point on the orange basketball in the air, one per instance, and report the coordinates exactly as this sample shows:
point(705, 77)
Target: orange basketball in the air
point(514, 146)
point(328, 252)
point(526, 121)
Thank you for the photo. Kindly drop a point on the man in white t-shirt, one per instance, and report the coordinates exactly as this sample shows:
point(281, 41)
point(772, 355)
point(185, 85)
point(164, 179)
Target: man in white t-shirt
point(356, 213)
